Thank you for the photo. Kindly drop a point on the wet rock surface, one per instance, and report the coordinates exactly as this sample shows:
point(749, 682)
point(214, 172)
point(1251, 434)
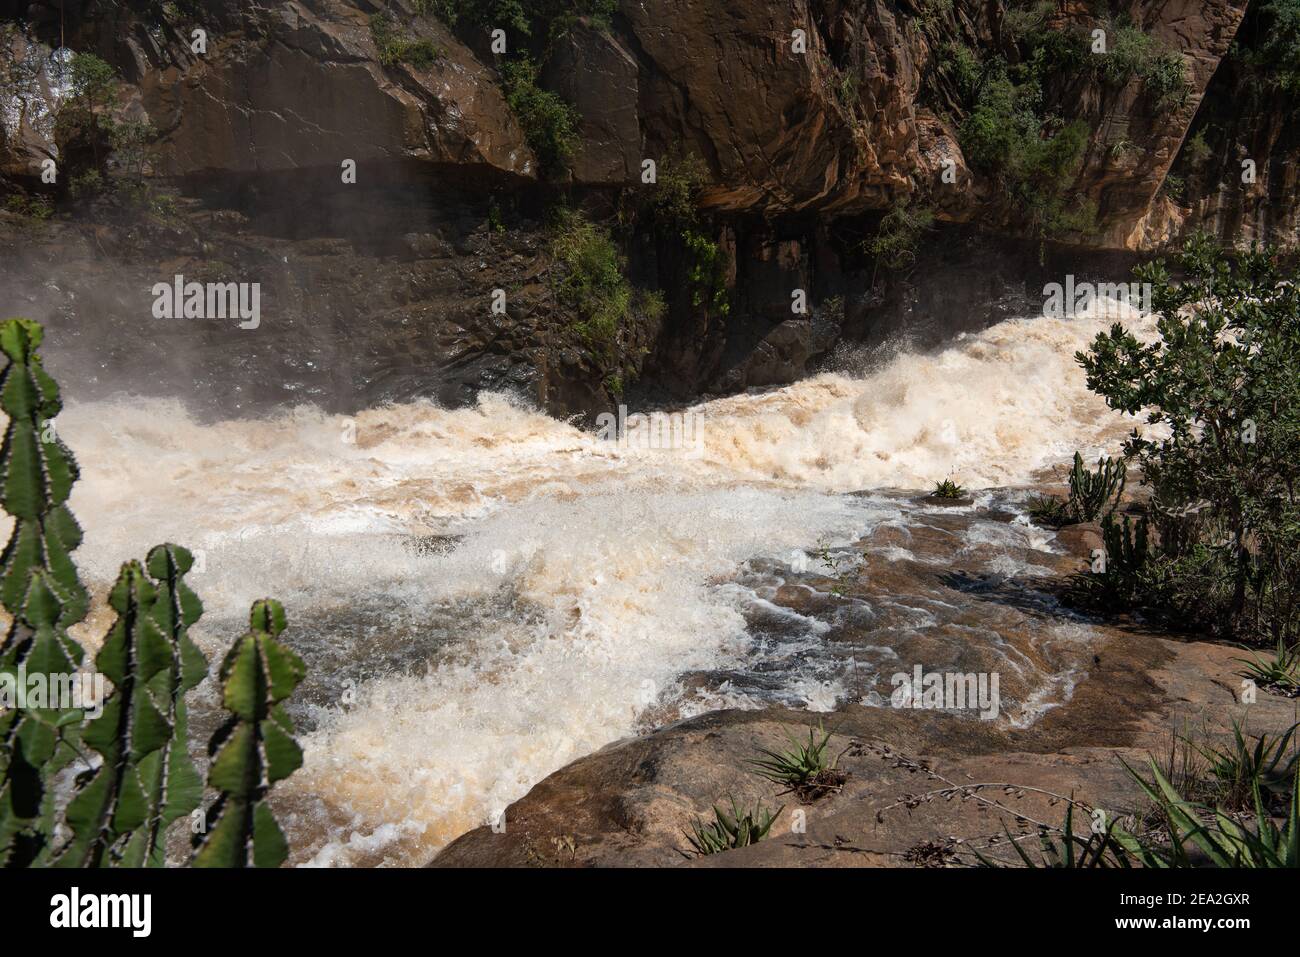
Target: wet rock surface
point(907, 767)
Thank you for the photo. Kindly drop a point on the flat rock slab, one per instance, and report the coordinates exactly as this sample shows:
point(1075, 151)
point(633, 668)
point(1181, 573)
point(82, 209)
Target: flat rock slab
point(910, 797)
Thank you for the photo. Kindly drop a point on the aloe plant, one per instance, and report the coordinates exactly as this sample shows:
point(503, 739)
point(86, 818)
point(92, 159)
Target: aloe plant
point(805, 769)
point(728, 831)
point(39, 588)
point(147, 780)
point(1220, 838)
point(947, 489)
point(1091, 493)
point(254, 748)
point(1281, 673)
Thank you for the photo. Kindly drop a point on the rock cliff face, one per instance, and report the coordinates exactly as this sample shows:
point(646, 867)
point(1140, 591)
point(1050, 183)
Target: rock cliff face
point(812, 118)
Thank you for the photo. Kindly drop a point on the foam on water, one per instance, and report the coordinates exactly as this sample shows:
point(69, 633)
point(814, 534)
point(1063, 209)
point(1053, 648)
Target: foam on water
point(591, 577)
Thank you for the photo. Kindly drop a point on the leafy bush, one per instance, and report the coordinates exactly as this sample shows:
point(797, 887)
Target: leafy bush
point(1128, 53)
point(543, 19)
point(550, 124)
point(899, 235)
point(591, 281)
point(1195, 150)
point(1277, 56)
point(121, 808)
point(1132, 53)
point(1165, 80)
point(962, 66)
point(36, 208)
point(1224, 380)
point(706, 272)
point(1006, 137)
point(1027, 17)
point(672, 203)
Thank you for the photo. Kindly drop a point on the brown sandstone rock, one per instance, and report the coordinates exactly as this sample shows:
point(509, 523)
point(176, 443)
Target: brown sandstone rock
point(311, 92)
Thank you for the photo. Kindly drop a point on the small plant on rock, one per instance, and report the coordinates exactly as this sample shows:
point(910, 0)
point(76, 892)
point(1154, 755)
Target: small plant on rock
point(1049, 510)
point(805, 769)
point(729, 831)
point(1279, 674)
point(1240, 768)
point(947, 489)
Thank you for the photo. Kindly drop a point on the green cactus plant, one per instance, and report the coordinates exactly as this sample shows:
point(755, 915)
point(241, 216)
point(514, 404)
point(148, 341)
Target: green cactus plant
point(37, 579)
point(120, 815)
point(1126, 544)
point(36, 742)
point(121, 810)
point(254, 748)
point(1091, 493)
point(38, 474)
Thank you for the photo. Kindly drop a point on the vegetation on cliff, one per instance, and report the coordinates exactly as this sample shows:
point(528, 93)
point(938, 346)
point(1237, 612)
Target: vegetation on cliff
point(531, 29)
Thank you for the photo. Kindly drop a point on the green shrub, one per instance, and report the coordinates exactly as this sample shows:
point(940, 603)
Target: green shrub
point(1240, 769)
point(1049, 510)
point(591, 280)
point(549, 123)
point(1279, 674)
point(1224, 379)
point(1129, 51)
point(1195, 150)
point(1195, 829)
point(899, 236)
point(1191, 834)
point(672, 203)
point(706, 272)
point(1005, 136)
point(962, 66)
point(36, 208)
point(1132, 53)
point(678, 180)
point(1165, 80)
point(395, 47)
point(545, 20)
point(1026, 18)
point(1277, 57)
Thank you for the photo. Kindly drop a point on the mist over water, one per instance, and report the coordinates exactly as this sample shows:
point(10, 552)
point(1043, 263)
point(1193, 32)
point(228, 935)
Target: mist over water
point(496, 593)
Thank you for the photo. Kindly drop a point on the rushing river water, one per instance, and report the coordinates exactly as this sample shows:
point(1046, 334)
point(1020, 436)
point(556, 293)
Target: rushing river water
point(486, 594)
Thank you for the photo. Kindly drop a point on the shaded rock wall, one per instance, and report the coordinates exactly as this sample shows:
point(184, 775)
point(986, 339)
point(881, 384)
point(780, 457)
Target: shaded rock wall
point(804, 149)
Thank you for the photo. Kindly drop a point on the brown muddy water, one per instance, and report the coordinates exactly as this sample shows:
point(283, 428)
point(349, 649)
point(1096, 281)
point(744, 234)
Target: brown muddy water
point(486, 594)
